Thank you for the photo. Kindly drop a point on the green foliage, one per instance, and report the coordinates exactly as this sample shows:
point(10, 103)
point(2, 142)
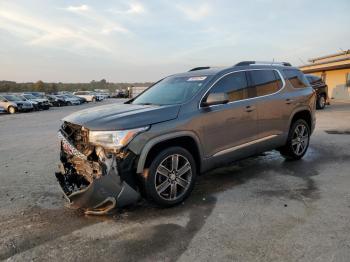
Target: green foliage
point(40, 86)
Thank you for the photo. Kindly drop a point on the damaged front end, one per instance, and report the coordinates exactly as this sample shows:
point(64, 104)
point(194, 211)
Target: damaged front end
point(91, 177)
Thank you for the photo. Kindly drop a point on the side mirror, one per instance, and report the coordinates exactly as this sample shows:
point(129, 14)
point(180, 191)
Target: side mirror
point(216, 99)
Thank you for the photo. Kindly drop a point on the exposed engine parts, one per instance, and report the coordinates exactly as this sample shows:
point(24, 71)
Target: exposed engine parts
point(89, 175)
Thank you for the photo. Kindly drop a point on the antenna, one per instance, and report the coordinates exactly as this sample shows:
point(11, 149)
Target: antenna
point(273, 61)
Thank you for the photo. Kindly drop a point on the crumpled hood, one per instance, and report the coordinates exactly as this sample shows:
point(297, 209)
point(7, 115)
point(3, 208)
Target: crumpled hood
point(122, 116)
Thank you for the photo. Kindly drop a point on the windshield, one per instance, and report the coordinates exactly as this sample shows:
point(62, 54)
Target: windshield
point(171, 90)
point(28, 96)
point(22, 98)
point(12, 98)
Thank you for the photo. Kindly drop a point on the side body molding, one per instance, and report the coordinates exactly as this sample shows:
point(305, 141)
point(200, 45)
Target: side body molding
point(162, 138)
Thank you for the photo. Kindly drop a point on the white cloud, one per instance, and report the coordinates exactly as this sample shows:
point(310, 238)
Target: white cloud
point(195, 13)
point(134, 8)
point(38, 32)
point(80, 8)
point(114, 28)
point(108, 26)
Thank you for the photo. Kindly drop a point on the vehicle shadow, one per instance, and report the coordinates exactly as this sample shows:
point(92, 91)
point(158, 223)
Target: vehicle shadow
point(148, 232)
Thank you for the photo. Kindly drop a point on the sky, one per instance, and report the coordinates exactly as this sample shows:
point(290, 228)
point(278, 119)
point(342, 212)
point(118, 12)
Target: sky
point(139, 41)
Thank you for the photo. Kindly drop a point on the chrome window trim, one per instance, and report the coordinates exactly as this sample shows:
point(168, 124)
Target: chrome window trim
point(244, 70)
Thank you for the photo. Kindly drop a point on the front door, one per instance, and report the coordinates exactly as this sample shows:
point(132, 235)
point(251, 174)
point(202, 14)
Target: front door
point(228, 128)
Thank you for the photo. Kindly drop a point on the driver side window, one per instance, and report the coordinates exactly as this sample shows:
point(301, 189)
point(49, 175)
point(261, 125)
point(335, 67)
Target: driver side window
point(234, 85)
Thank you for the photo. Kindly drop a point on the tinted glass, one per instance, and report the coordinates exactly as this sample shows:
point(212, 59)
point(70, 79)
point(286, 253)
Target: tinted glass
point(172, 90)
point(12, 98)
point(234, 85)
point(313, 79)
point(28, 96)
point(310, 78)
point(296, 78)
point(265, 82)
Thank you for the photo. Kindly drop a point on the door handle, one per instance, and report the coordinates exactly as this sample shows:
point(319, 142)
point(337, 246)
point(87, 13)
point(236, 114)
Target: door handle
point(249, 108)
point(289, 101)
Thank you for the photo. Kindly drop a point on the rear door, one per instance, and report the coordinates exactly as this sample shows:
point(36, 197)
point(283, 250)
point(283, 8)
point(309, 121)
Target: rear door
point(272, 111)
point(230, 127)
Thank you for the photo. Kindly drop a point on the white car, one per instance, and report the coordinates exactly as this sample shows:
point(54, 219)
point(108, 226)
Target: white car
point(89, 96)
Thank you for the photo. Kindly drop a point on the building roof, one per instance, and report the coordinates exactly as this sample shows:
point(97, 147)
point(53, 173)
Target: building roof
point(312, 60)
point(336, 61)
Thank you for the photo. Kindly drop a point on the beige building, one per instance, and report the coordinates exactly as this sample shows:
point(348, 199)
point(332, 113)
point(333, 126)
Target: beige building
point(334, 70)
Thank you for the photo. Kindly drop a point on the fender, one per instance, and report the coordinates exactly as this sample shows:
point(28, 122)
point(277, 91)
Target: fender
point(145, 150)
point(299, 109)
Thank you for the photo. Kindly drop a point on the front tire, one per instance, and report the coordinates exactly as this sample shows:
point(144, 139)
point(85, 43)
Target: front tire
point(11, 109)
point(298, 141)
point(171, 177)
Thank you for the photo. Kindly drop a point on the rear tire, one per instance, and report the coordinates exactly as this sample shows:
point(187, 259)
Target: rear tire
point(171, 177)
point(298, 141)
point(321, 102)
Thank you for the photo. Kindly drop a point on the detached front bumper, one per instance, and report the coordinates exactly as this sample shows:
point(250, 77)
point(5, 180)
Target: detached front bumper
point(97, 194)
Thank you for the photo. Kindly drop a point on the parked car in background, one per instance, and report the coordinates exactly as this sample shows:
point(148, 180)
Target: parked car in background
point(38, 94)
point(56, 101)
point(99, 97)
point(16, 104)
point(121, 94)
point(105, 95)
point(186, 124)
point(70, 101)
point(82, 100)
point(88, 95)
point(43, 103)
point(9, 106)
point(34, 103)
point(321, 89)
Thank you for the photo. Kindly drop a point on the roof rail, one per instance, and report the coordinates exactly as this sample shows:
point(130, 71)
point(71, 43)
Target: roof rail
point(199, 68)
point(245, 63)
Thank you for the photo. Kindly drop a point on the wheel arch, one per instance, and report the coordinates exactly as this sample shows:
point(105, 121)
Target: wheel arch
point(304, 114)
point(185, 139)
point(15, 107)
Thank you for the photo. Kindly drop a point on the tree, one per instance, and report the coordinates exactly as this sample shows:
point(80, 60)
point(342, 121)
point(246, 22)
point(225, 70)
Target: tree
point(39, 86)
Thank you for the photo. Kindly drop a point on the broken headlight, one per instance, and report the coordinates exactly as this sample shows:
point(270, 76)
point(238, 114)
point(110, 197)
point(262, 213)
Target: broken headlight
point(114, 139)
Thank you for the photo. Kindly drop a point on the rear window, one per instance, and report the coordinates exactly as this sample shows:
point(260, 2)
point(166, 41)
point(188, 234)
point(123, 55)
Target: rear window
point(296, 78)
point(265, 82)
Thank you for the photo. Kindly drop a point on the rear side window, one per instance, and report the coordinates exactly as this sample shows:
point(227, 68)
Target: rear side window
point(234, 85)
point(296, 78)
point(313, 79)
point(265, 82)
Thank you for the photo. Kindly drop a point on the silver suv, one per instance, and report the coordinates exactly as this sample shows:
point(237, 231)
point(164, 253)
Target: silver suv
point(155, 144)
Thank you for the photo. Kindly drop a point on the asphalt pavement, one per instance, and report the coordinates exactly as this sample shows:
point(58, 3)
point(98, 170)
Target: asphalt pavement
point(260, 209)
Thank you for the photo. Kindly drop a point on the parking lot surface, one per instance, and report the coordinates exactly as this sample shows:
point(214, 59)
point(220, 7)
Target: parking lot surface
point(260, 209)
